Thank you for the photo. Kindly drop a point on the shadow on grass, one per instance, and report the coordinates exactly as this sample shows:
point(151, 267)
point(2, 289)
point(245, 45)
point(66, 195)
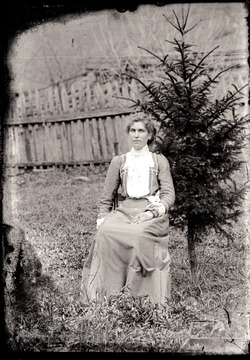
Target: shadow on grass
point(32, 316)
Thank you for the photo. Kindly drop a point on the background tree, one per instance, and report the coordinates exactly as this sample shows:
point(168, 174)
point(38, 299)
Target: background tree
point(58, 50)
point(202, 137)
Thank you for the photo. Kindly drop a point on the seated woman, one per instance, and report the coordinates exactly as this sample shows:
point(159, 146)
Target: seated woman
point(130, 248)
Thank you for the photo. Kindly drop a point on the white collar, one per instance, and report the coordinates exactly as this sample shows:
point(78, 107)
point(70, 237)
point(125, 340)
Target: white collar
point(142, 151)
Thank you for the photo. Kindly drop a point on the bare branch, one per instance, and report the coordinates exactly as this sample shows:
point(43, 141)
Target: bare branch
point(49, 70)
point(97, 41)
point(111, 44)
point(56, 60)
point(126, 36)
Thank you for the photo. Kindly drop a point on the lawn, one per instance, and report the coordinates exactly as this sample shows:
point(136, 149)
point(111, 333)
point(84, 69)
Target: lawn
point(57, 209)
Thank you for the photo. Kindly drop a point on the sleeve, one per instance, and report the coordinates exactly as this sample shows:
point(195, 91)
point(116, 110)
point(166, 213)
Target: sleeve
point(112, 182)
point(165, 198)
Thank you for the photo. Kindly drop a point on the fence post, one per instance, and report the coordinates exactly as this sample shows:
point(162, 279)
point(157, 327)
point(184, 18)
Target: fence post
point(65, 98)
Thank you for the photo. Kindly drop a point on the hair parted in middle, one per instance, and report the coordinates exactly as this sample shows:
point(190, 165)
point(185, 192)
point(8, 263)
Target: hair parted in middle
point(147, 121)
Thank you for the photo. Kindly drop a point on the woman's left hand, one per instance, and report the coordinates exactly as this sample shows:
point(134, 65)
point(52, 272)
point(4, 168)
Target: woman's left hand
point(144, 216)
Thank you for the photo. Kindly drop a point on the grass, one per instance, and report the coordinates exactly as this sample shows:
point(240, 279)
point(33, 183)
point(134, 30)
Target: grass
point(58, 212)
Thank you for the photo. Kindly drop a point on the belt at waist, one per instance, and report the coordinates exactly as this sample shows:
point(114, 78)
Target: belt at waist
point(135, 203)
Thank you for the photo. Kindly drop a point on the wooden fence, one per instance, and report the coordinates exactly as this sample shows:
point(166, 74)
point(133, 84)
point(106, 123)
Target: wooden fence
point(79, 97)
point(92, 138)
point(83, 123)
point(76, 99)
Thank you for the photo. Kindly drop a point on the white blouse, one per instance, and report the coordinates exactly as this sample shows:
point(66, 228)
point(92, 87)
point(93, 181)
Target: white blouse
point(138, 163)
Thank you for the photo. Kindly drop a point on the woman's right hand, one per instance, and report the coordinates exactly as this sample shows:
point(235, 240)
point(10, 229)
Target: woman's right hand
point(144, 216)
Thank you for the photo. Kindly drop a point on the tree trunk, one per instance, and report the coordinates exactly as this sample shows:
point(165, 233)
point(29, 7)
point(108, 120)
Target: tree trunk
point(191, 249)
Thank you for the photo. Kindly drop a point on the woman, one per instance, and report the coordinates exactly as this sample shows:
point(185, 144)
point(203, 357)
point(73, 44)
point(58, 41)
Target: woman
point(130, 249)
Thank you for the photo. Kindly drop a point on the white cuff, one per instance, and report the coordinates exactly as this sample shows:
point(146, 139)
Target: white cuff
point(161, 209)
point(99, 222)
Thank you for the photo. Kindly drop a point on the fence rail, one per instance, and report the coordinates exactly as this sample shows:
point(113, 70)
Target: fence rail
point(67, 141)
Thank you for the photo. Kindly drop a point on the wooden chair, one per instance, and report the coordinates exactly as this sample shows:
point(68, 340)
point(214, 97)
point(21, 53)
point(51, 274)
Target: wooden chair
point(118, 198)
point(115, 202)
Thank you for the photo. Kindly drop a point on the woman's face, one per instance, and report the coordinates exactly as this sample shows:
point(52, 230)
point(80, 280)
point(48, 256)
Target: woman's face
point(138, 135)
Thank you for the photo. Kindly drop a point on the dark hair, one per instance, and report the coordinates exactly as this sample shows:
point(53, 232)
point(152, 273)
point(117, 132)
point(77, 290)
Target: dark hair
point(147, 121)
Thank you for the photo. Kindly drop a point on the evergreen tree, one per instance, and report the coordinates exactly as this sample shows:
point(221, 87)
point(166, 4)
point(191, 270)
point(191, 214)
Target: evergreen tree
point(202, 137)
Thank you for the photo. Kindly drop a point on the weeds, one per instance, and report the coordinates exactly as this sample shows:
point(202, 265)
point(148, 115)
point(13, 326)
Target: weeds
point(58, 216)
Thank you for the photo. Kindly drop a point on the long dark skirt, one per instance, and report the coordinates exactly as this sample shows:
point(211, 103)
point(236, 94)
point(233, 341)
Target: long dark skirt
point(128, 256)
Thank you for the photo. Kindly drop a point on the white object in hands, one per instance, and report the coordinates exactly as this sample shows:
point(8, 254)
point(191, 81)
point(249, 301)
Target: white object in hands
point(99, 222)
point(155, 199)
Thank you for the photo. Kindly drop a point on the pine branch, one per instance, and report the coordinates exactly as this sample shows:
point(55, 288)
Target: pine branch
point(227, 102)
point(202, 60)
point(216, 76)
point(221, 231)
point(173, 69)
point(184, 71)
point(238, 124)
point(157, 117)
point(124, 98)
point(201, 138)
point(240, 89)
point(174, 83)
point(171, 22)
point(149, 91)
point(197, 76)
point(185, 23)
point(179, 25)
point(150, 52)
point(171, 78)
point(182, 17)
point(170, 42)
point(224, 70)
point(192, 27)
